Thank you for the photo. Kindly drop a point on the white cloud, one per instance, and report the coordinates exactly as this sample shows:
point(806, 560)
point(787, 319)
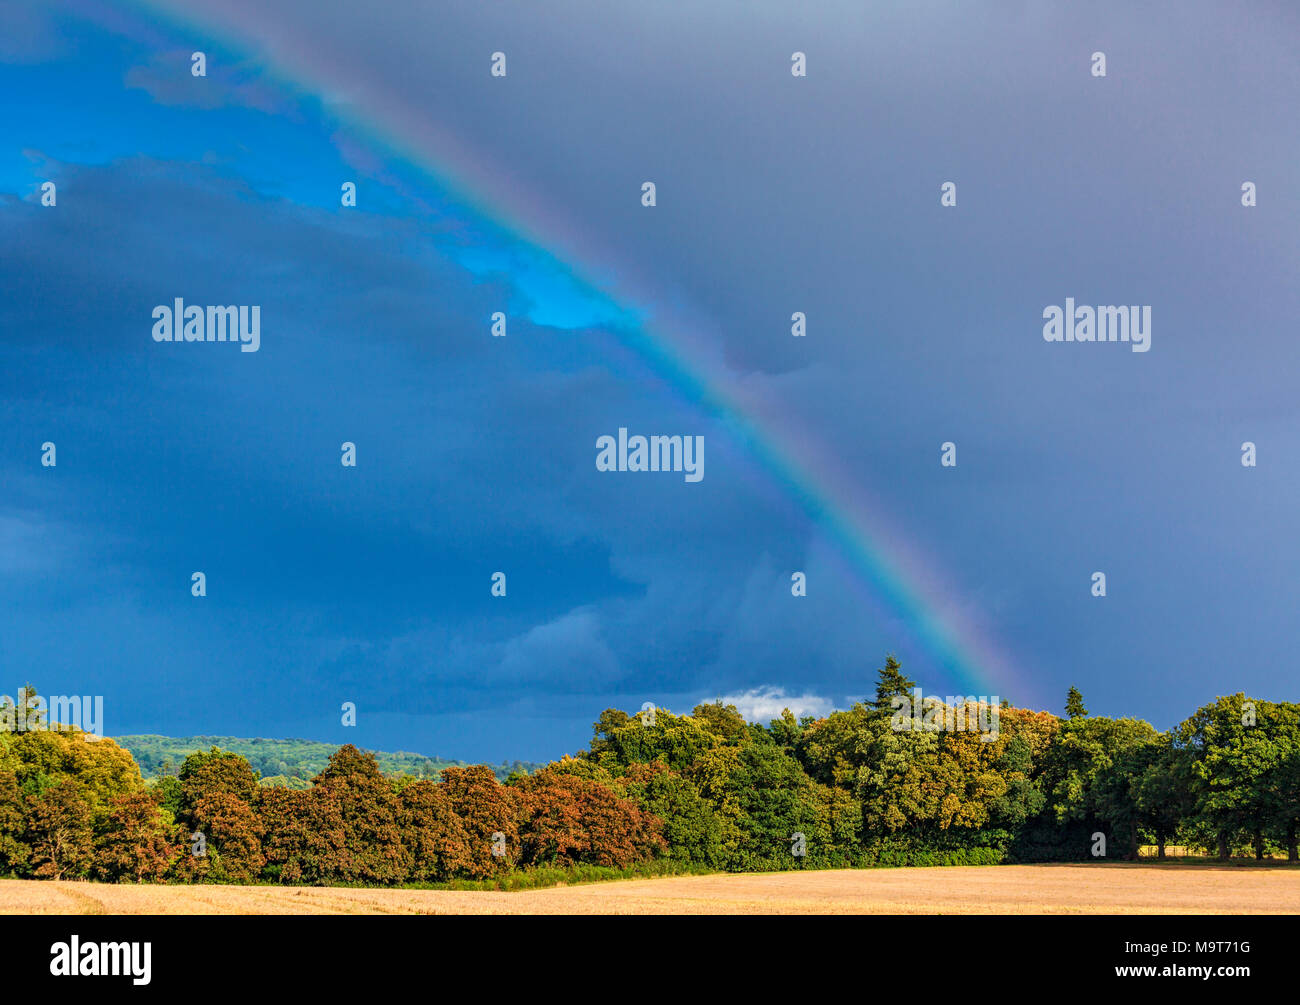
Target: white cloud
point(763, 704)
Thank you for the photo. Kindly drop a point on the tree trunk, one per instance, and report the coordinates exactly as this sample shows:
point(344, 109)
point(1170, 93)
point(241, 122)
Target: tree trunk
point(1223, 848)
point(1259, 845)
point(1160, 843)
point(1292, 851)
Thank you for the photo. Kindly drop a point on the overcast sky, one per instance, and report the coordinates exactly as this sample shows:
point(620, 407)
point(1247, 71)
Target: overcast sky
point(475, 454)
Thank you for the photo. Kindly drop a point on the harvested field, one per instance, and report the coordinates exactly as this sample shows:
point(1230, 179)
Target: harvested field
point(1110, 888)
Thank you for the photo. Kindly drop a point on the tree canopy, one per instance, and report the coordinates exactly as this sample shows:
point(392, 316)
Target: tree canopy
point(859, 786)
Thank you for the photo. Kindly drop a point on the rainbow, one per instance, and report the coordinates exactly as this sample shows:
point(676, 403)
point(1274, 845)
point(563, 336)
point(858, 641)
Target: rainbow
point(893, 574)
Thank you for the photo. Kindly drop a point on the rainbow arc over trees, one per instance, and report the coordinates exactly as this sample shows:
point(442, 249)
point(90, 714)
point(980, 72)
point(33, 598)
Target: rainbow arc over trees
point(565, 287)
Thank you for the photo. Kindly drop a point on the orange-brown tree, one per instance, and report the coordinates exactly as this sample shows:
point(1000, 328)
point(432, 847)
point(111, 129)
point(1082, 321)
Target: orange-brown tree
point(60, 831)
point(565, 820)
point(438, 845)
point(133, 841)
point(486, 808)
point(369, 809)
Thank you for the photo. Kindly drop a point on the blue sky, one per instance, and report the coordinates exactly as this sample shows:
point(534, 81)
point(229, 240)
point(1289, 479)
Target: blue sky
point(476, 455)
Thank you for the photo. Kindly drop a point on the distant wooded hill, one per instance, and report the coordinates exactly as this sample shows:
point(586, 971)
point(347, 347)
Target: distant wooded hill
point(284, 762)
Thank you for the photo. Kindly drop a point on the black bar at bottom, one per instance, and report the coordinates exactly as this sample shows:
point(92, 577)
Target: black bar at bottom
point(205, 954)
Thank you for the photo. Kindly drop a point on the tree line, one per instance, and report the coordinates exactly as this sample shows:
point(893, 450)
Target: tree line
point(708, 790)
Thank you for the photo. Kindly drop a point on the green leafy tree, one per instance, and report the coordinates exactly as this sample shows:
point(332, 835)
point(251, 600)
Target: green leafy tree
point(692, 828)
point(676, 740)
point(1093, 767)
point(101, 768)
point(1162, 788)
point(1288, 776)
point(833, 749)
point(723, 721)
point(786, 730)
point(776, 802)
point(170, 794)
point(1240, 751)
point(14, 851)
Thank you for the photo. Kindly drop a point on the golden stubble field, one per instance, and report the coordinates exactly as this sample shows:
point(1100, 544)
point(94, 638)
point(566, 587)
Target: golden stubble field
point(1109, 888)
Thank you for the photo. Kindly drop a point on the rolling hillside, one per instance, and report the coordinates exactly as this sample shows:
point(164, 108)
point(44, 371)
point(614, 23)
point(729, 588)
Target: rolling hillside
point(283, 762)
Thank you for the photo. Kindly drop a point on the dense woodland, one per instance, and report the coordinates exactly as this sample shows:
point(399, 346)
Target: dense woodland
point(699, 791)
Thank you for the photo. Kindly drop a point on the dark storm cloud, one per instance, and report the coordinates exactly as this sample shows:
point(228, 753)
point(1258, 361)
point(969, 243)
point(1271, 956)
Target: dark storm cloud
point(775, 194)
